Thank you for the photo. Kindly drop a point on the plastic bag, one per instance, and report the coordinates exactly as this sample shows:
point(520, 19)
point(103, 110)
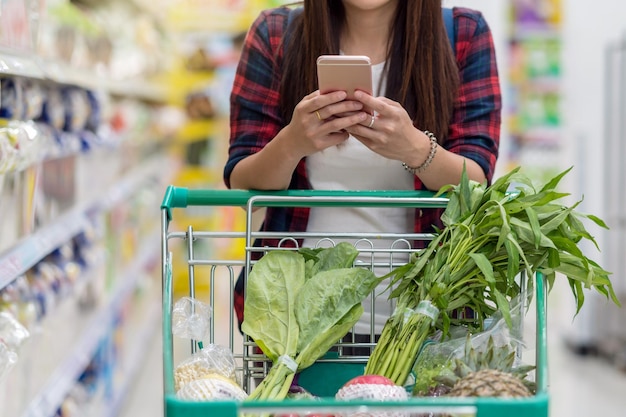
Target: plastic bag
point(210, 360)
point(8, 358)
point(435, 367)
point(12, 335)
point(190, 319)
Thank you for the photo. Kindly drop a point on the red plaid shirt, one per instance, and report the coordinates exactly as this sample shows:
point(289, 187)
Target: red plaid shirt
point(255, 115)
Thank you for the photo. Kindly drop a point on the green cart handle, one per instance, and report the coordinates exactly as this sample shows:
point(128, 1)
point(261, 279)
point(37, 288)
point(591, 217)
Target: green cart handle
point(181, 197)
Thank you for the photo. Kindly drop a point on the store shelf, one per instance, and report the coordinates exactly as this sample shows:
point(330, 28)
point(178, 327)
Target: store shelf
point(61, 381)
point(30, 250)
point(133, 88)
point(25, 254)
point(136, 357)
point(17, 63)
point(32, 66)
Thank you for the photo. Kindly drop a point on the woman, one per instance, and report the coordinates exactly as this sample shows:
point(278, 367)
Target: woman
point(436, 110)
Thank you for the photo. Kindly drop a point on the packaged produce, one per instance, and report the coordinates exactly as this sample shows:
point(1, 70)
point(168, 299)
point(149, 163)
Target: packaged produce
point(443, 363)
point(492, 234)
point(212, 387)
point(298, 304)
point(190, 319)
point(373, 388)
point(212, 359)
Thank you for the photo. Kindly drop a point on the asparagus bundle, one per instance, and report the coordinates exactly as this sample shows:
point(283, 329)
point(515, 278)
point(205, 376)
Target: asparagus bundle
point(490, 235)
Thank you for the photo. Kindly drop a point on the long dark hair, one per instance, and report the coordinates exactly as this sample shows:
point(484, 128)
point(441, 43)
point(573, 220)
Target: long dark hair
point(422, 71)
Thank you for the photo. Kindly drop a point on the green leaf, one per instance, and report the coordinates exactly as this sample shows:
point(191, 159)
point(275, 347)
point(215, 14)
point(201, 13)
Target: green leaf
point(327, 297)
point(328, 337)
point(554, 182)
point(341, 255)
point(535, 226)
point(485, 266)
point(526, 233)
point(504, 307)
point(272, 286)
point(505, 227)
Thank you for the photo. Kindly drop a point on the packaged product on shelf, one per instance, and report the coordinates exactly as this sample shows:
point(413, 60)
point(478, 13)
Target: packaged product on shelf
point(18, 299)
point(12, 335)
point(8, 359)
point(11, 105)
point(32, 98)
point(53, 109)
point(198, 105)
point(8, 153)
point(77, 108)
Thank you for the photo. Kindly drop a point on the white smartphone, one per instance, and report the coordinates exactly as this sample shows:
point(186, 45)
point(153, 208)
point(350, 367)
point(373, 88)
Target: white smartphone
point(345, 73)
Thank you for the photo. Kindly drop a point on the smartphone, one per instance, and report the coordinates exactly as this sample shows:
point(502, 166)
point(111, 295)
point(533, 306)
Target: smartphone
point(345, 73)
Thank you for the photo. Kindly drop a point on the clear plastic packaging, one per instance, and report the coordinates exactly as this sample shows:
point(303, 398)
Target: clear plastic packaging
point(438, 362)
point(211, 360)
point(190, 319)
point(8, 358)
point(213, 387)
point(12, 335)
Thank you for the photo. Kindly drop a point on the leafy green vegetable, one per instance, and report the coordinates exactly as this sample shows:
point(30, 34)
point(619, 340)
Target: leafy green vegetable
point(298, 304)
point(272, 286)
point(323, 301)
point(491, 235)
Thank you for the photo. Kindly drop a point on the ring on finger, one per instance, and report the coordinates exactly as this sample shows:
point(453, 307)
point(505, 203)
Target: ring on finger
point(319, 117)
point(372, 122)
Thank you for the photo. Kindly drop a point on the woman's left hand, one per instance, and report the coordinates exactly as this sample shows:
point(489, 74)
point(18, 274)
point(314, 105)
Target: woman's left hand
point(390, 133)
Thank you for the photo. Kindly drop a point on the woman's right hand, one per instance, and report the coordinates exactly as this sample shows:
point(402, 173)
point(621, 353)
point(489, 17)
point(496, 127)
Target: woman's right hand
point(319, 121)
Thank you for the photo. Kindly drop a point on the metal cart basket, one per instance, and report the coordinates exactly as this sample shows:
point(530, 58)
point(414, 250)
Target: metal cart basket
point(202, 262)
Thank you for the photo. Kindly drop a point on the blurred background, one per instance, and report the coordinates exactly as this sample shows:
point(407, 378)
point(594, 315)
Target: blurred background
point(103, 103)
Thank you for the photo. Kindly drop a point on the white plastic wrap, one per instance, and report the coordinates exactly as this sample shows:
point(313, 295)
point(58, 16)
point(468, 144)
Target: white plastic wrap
point(373, 388)
point(213, 387)
point(190, 319)
point(211, 360)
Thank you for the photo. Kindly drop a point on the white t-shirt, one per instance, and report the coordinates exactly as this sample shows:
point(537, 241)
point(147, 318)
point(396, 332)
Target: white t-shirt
point(353, 166)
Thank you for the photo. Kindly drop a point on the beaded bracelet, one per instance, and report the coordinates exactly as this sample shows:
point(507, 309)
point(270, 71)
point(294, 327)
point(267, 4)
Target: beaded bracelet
point(429, 159)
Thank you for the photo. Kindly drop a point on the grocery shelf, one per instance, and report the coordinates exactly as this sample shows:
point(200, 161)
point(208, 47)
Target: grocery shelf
point(61, 381)
point(32, 66)
point(136, 357)
point(18, 63)
point(143, 89)
point(30, 250)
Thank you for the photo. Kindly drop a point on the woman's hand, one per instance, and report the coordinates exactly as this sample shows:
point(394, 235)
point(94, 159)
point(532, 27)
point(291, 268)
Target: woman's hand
point(390, 132)
point(320, 121)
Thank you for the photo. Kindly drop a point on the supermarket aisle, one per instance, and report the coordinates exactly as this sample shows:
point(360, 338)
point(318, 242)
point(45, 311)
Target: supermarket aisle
point(579, 386)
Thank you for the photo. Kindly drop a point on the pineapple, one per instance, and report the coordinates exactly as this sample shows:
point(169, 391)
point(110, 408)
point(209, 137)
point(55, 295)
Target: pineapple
point(490, 373)
point(490, 383)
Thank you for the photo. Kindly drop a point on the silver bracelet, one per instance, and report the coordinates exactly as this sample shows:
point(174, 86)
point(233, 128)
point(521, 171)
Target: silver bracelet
point(429, 159)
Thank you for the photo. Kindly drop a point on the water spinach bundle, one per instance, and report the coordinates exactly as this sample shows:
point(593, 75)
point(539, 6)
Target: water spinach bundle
point(490, 235)
point(300, 303)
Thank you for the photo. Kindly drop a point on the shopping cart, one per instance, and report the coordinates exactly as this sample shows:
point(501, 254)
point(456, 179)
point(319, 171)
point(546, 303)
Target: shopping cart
point(221, 273)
